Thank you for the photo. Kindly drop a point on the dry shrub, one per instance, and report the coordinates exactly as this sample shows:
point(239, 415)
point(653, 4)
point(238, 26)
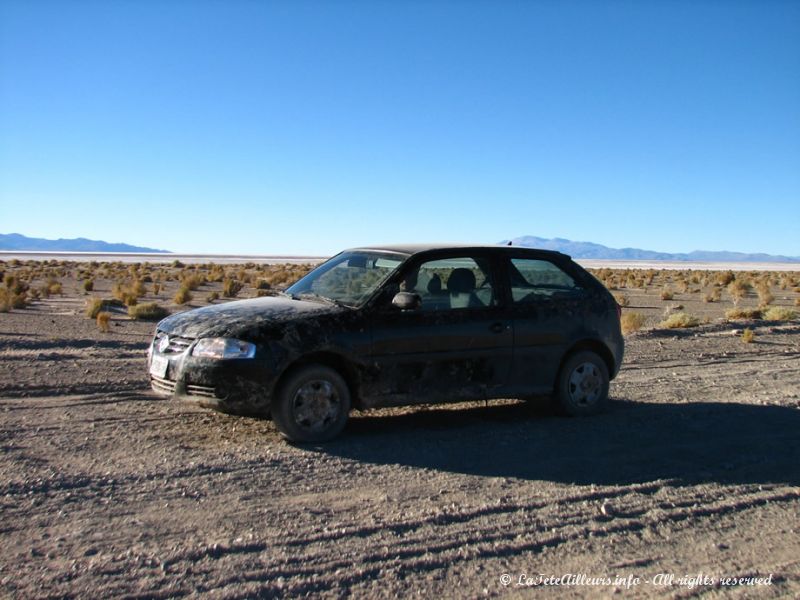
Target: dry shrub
point(622, 299)
point(713, 296)
point(748, 336)
point(128, 293)
point(94, 305)
point(88, 285)
point(631, 321)
point(725, 278)
point(680, 320)
point(765, 297)
point(192, 282)
point(780, 313)
point(5, 300)
point(666, 294)
point(148, 311)
point(738, 314)
point(19, 300)
point(212, 296)
point(182, 296)
point(231, 287)
point(103, 317)
point(738, 289)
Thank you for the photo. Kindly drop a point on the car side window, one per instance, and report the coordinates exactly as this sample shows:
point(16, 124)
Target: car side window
point(451, 283)
point(533, 279)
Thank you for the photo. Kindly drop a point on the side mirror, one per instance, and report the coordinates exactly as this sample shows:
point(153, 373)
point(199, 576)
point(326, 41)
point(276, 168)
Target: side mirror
point(406, 301)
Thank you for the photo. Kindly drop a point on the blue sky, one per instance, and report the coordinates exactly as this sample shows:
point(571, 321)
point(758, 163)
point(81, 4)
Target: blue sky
point(305, 127)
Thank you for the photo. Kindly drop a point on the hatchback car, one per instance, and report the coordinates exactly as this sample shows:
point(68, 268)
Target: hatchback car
point(398, 325)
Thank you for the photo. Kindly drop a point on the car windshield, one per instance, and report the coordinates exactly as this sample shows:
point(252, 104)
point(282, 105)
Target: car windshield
point(348, 278)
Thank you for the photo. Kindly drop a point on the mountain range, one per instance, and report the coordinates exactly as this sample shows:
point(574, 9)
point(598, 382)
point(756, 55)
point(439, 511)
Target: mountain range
point(591, 250)
point(18, 242)
point(15, 241)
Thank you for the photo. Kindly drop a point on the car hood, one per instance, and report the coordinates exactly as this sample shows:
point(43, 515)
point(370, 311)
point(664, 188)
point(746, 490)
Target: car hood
point(244, 318)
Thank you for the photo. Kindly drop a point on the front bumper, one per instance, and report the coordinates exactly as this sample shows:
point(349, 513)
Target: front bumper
point(233, 385)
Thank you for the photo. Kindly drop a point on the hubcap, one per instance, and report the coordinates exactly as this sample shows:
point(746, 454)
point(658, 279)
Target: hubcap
point(316, 405)
point(585, 384)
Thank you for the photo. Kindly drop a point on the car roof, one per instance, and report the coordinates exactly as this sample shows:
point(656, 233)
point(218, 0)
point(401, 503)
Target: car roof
point(410, 249)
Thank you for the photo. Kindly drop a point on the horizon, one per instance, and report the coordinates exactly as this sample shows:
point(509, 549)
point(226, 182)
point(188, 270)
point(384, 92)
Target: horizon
point(145, 251)
point(293, 128)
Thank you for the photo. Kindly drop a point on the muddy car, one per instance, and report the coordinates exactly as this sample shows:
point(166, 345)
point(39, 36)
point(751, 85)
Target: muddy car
point(399, 325)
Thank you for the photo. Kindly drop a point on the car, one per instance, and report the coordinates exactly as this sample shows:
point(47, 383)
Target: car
point(398, 325)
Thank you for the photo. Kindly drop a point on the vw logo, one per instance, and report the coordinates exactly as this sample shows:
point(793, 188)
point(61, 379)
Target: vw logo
point(163, 344)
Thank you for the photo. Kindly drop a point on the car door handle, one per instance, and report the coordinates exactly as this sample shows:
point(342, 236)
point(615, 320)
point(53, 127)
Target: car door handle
point(497, 327)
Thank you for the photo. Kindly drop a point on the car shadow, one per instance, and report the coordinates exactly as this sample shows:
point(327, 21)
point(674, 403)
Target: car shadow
point(632, 442)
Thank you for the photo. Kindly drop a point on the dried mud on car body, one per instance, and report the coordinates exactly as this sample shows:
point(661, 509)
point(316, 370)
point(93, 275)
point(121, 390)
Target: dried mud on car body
point(108, 491)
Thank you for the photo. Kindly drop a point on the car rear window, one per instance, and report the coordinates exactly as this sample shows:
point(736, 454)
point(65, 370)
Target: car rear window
point(534, 279)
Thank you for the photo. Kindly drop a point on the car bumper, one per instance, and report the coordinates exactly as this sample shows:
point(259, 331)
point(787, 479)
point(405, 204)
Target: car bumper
point(234, 385)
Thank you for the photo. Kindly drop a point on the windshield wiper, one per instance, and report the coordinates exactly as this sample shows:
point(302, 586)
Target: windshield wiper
point(313, 296)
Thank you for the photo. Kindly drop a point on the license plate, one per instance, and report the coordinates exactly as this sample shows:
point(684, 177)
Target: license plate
point(158, 366)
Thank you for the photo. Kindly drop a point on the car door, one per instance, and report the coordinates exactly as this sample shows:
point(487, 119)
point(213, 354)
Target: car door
point(547, 306)
point(457, 345)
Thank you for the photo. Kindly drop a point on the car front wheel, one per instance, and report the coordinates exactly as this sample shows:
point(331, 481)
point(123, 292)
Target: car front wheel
point(582, 385)
point(312, 405)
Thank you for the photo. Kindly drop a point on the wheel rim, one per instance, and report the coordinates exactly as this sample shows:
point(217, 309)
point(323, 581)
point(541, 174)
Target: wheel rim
point(316, 405)
point(585, 384)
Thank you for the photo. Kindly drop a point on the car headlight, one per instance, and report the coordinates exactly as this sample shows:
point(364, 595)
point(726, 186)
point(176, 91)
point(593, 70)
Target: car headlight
point(223, 348)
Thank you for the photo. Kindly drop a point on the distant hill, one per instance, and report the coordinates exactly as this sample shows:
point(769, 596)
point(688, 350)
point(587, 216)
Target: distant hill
point(15, 241)
point(591, 250)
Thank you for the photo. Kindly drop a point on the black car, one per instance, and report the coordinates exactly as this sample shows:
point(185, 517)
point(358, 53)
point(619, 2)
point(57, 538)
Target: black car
point(396, 325)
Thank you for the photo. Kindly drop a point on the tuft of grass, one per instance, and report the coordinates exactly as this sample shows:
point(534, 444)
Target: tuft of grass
point(94, 305)
point(780, 313)
point(182, 296)
point(192, 282)
point(147, 311)
point(54, 287)
point(631, 321)
point(5, 301)
point(103, 317)
point(621, 299)
point(212, 296)
point(738, 314)
point(19, 300)
point(679, 320)
point(765, 297)
point(713, 296)
point(666, 294)
point(748, 336)
point(88, 285)
point(231, 287)
point(738, 289)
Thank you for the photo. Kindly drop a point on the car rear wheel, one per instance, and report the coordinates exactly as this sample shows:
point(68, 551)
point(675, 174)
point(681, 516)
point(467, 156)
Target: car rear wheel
point(312, 405)
point(582, 387)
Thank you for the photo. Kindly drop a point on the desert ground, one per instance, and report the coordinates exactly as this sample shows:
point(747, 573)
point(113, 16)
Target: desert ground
point(687, 487)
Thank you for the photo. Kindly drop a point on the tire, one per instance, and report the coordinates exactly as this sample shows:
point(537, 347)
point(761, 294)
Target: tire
point(312, 405)
point(582, 386)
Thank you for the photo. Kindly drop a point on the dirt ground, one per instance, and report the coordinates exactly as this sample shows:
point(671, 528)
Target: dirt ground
point(691, 477)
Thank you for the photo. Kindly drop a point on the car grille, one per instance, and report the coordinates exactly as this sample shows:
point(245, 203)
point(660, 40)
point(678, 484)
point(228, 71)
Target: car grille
point(200, 390)
point(163, 386)
point(177, 344)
